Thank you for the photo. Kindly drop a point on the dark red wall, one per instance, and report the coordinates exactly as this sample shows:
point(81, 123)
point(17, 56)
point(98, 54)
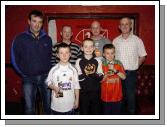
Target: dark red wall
point(16, 21)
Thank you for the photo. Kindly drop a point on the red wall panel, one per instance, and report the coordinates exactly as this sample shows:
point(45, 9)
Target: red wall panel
point(13, 87)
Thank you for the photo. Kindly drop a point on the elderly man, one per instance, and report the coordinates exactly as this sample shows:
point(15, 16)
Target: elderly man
point(131, 52)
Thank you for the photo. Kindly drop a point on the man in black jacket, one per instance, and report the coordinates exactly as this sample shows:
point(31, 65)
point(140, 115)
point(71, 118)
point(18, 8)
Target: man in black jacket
point(30, 56)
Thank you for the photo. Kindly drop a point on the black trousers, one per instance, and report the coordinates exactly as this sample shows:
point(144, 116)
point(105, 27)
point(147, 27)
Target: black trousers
point(90, 103)
point(112, 108)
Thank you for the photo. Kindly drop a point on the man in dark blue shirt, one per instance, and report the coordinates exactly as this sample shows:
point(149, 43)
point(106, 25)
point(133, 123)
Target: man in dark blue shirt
point(30, 55)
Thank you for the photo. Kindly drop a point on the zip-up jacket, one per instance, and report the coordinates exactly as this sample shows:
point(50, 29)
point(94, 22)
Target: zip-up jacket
point(31, 55)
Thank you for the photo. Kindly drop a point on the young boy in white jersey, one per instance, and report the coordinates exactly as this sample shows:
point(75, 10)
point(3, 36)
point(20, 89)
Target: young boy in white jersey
point(63, 80)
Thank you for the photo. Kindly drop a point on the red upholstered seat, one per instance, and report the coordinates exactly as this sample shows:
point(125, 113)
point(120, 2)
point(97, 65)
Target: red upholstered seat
point(145, 92)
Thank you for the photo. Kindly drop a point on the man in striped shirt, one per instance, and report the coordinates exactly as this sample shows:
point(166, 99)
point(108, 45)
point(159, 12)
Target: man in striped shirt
point(66, 38)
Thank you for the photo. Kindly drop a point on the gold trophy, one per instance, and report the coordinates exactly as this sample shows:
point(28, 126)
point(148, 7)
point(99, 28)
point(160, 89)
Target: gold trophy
point(97, 52)
point(60, 93)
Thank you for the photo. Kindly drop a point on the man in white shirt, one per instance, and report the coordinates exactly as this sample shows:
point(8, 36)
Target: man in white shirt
point(131, 52)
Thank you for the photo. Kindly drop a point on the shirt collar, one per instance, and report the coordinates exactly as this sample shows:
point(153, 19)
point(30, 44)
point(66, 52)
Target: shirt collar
point(106, 62)
point(127, 37)
point(41, 33)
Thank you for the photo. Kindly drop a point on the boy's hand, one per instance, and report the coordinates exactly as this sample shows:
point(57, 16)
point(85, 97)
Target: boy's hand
point(56, 91)
point(76, 104)
point(105, 77)
point(111, 69)
point(110, 72)
point(89, 69)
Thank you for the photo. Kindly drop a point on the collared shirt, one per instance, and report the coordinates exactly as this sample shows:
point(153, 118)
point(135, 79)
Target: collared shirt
point(129, 50)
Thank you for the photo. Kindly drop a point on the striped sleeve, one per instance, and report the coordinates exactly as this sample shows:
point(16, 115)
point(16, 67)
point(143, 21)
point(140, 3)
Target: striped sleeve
point(75, 52)
point(54, 58)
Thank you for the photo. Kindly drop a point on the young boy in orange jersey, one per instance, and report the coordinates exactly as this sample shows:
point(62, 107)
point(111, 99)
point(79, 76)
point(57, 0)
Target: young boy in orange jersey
point(111, 88)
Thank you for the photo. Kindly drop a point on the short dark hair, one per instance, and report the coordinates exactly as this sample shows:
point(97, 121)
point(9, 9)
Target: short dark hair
point(126, 17)
point(36, 13)
point(108, 46)
point(62, 45)
point(66, 26)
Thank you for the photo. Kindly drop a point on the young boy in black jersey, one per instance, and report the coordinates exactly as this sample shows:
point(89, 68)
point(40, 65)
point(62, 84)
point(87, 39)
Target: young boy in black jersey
point(90, 74)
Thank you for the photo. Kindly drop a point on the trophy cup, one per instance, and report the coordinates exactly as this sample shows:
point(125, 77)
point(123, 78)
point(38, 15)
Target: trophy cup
point(60, 90)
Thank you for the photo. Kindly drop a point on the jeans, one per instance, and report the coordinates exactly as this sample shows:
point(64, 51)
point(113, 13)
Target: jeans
point(30, 86)
point(111, 108)
point(129, 89)
point(71, 112)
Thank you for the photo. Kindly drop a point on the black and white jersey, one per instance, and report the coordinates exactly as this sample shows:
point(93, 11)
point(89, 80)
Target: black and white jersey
point(90, 74)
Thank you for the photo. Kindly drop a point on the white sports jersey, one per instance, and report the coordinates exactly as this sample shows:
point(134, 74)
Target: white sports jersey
point(65, 77)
